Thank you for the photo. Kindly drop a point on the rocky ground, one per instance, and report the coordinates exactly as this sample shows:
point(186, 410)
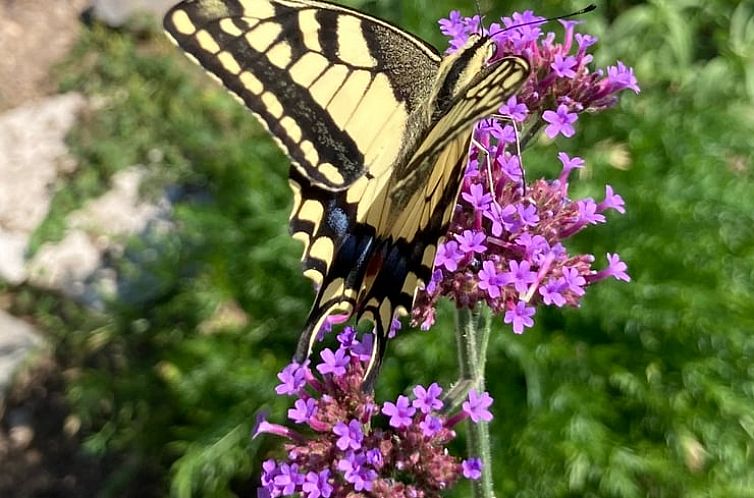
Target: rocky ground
point(39, 447)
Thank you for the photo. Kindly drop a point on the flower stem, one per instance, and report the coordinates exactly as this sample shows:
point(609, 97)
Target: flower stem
point(472, 336)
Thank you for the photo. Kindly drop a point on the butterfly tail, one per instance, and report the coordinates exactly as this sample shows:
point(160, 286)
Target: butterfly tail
point(379, 347)
point(339, 289)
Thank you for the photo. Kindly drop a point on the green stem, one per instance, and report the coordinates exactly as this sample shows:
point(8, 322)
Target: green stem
point(532, 132)
point(472, 336)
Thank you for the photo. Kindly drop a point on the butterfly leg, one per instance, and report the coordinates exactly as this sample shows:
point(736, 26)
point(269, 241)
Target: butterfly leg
point(505, 117)
point(488, 163)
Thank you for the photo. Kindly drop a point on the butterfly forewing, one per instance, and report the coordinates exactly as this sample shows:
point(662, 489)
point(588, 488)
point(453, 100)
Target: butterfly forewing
point(334, 86)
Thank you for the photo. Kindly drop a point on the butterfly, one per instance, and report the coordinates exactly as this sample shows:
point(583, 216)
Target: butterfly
point(377, 125)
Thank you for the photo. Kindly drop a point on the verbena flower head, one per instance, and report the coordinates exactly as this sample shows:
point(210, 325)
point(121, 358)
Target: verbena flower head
point(505, 246)
point(349, 446)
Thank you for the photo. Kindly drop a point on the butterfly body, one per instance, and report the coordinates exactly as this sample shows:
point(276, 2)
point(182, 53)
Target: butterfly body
point(377, 126)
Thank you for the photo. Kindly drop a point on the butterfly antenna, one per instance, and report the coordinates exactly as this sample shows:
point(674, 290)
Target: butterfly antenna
point(585, 10)
point(481, 18)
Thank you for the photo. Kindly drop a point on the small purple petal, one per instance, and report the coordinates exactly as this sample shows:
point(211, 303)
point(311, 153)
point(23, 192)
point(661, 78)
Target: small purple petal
point(476, 406)
point(427, 399)
point(430, 426)
point(400, 412)
point(303, 410)
point(471, 242)
point(351, 435)
point(472, 468)
point(333, 363)
point(560, 122)
point(520, 317)
point(293, 378)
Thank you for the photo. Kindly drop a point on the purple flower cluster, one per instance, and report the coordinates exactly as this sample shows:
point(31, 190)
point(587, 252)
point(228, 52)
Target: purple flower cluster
point(355, 447)
point(505, 243)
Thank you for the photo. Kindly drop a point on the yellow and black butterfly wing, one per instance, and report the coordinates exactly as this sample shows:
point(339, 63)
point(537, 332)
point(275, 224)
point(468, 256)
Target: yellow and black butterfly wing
point(347, 96)
point(389, 227)
point(335, 87)
point(419, 203)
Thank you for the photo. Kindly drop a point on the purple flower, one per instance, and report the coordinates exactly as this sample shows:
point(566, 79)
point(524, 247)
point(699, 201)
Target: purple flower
point(535, 245)
point(574, 281)
point(621, 77)
point(288, 479)
point(502, 219)
point(303, 410)
point(612, 201)
point(520, 317)
point(400, 413)
point(569, 164)
point(476, 407)
point(478, 199)
point(427, 399)
point(374, 458)
point(363, 349)
point(588, 212)
point(511, 166)
point(471, 242)
point(448, 255)
point(430, 426)
point(472, 468)
point(515, 109)
point(356, 473)
point(262, 426)
point(560, 122)
point(316, 485)
point(552, 292)
point(333, 363)
point(293, 378)
point(453, 25)
point(351, 435)
point(616, 269)
point(520, 275)
point(585, 41)
point(458, 28)
point(347, 338)
point(563, 66)
point(269, 471)
point(395, 326)
point(504, 134)
point(490, 280)
point(528, 214)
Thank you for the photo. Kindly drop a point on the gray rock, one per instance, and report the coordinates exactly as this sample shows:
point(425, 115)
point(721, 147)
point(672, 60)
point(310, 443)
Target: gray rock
point(18, 340)
point(116, 13)
point(32, 155)
point(75, 265)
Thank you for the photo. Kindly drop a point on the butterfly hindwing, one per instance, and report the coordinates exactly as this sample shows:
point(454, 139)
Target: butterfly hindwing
point(334, 87)
point(390, 242)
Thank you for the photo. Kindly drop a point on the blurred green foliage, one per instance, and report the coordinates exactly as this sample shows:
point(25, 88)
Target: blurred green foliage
point(646, 391)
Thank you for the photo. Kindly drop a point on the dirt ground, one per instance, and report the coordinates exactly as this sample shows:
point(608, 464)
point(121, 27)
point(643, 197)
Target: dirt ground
point(34, 36)
point(40, 453)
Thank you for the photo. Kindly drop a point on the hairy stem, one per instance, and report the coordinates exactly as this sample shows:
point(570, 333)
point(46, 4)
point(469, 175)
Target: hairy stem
point(472, 336)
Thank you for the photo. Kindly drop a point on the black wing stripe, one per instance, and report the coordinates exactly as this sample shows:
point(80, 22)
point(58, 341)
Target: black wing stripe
point(328, 29)
point(332, 144)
